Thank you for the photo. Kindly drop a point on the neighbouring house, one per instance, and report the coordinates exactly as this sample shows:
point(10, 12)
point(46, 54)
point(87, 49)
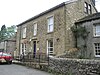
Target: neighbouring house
point(89, 41)
point(1, 46)
point(50, 31)
point(8, 45)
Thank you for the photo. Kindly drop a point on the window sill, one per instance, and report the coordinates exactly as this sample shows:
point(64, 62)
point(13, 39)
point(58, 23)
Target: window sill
point(34, 35)
point(97, 56)
point(50, 32)
point(24, 38)
point(96, 37)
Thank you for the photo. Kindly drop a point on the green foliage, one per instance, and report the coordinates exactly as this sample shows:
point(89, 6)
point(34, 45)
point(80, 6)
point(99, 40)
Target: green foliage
point(11, 31)
point(80, 31)
point(8, 32)
point(3, 33)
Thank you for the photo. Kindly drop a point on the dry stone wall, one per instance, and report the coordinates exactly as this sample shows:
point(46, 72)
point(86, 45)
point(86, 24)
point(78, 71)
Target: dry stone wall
point(67, 66)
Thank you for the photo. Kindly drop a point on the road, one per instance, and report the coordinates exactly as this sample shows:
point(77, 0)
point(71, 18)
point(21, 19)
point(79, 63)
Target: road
point(19, 70)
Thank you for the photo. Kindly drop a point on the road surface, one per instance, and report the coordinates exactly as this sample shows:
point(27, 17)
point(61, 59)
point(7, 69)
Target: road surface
point(13, 69)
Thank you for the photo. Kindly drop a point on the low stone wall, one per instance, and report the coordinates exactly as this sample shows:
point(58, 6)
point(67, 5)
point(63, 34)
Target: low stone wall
point(67, 66)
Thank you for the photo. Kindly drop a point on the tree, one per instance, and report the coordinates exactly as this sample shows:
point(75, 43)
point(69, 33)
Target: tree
point(11, 31)
point(3, 33)
point(80, 31)
point(8, 32)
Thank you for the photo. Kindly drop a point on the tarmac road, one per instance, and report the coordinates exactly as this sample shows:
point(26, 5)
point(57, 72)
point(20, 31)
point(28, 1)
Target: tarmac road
point(14, 69)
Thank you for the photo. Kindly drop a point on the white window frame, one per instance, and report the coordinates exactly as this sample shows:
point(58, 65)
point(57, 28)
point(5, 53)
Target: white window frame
point(48, 47)
point(23, 48)
point(20, 49)
point(89, 9)
point(96, 30)
point(50, 23)
point(96, 49)
point(86, 7)
point(24, 32)
point(35, 29)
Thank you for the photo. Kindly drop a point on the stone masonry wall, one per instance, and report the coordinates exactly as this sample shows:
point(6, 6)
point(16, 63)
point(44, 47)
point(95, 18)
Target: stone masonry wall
point(67, 66)
point(74, 12)
point(42, 34)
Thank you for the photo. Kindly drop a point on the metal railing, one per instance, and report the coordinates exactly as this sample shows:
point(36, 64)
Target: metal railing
point(30, 58)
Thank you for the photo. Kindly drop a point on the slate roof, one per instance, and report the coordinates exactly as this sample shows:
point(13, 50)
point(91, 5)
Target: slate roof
point(47, 11)
point(89, 18)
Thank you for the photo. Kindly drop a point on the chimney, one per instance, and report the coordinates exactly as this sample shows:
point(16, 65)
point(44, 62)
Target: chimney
point(93, 2)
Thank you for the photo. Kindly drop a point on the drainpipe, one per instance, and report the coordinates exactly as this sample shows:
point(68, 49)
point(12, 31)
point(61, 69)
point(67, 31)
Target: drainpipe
point(65, 24)
point(5, 46)
point(19, 40)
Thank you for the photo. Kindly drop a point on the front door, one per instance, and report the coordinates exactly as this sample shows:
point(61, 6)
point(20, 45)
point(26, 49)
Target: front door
point(34, 49)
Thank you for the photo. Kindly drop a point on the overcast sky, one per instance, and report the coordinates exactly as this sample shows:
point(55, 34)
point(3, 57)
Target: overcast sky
point(13, 12)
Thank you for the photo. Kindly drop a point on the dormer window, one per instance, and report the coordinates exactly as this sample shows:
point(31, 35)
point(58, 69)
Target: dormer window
point(87, 8)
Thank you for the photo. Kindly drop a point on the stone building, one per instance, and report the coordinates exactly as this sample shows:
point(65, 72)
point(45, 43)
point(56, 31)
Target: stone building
point(8, 45)
point(90, 45)
point(1, 46)
point(49, 32)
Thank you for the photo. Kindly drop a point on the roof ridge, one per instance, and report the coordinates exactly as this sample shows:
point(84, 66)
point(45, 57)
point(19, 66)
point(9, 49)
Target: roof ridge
point(89, 17)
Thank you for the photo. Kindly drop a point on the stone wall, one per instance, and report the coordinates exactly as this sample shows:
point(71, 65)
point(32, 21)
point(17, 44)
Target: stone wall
point(67, 66)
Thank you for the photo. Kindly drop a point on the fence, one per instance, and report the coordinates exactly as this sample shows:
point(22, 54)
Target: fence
point(34, 60)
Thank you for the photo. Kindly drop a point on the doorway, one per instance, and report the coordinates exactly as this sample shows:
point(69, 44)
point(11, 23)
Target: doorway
point(34, 49)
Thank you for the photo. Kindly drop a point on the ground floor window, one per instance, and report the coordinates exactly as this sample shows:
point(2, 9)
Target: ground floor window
point(97, 49)
point(23, 49)
point(50, 47)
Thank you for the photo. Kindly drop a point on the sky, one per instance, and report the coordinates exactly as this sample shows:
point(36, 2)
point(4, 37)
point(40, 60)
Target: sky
point(14, 12)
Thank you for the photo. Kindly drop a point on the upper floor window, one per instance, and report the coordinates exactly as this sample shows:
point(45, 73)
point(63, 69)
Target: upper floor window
point(87, 8)
point(24, 32)
point(50, 21)
point(97, 30)
point(35, 29)
point(97, 49)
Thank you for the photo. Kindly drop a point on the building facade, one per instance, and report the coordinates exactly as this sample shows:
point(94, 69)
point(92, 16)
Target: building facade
point(10, 46)
point(50, 31)
point(92, 41)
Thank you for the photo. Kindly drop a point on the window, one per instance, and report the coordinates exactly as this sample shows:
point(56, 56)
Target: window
point(50, 47)
point(35, 29)
point(97, 49)
point(89, 9)
point(24, 33)
point(97, 30)
point(23, 49)
point(50, 24)
point(86, 7)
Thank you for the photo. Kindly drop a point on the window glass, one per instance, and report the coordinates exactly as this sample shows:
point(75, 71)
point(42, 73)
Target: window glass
point(89, 9)
point(35, 29)
point(50, 24)
point(86, 7)
point(97, 30)
point(24, 33)
point(97, 49)
point(50, 47)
